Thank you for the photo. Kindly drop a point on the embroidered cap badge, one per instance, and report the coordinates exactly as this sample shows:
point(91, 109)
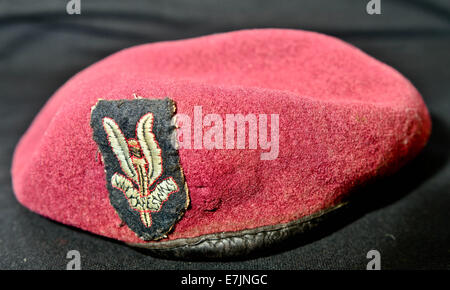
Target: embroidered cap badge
point(143, 174)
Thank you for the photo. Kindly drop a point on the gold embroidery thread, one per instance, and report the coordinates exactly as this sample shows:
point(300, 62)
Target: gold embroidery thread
point(141, 162)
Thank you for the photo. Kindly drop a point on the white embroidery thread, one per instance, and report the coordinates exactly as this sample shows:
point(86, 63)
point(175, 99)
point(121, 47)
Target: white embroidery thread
point(141, 162)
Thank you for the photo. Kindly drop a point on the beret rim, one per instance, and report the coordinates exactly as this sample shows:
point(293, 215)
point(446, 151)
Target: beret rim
point(246, 243)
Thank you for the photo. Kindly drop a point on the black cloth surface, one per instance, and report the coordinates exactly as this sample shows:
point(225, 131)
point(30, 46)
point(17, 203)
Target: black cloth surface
point(407, 220)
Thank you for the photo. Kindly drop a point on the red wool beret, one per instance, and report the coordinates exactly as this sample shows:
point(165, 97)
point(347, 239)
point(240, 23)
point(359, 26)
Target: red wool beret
point(219, 145)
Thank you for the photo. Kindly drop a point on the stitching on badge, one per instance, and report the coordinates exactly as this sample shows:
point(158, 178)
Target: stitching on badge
point(140, 159)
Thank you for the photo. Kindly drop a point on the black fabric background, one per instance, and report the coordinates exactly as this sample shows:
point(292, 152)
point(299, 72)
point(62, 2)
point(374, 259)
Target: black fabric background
point(407, 218)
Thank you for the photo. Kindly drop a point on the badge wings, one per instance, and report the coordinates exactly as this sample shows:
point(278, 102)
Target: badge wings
point(141, 162)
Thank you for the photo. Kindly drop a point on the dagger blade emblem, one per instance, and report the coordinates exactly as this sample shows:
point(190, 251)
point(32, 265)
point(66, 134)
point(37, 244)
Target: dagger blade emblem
point(141, 162)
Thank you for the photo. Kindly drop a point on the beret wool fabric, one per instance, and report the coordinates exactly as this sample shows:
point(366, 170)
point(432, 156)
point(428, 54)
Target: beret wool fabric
point(345, 119)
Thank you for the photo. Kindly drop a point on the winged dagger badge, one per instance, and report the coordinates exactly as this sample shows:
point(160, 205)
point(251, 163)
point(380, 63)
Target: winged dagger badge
point(141, 162)
point(144, 177)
